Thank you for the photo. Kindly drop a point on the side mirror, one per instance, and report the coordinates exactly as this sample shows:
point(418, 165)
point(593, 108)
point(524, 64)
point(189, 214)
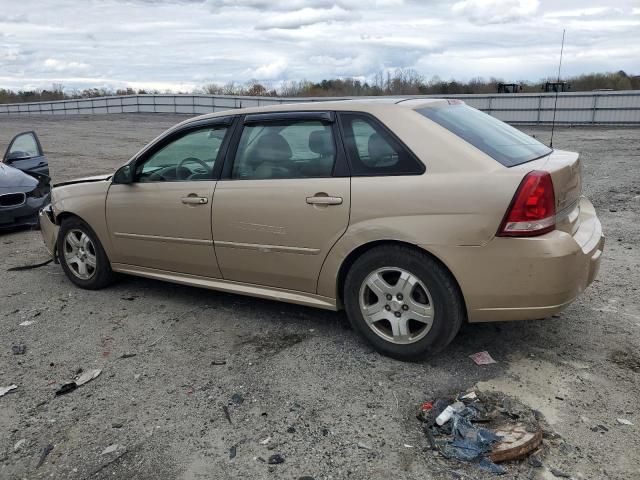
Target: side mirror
point(124, 175)
point(16, 155)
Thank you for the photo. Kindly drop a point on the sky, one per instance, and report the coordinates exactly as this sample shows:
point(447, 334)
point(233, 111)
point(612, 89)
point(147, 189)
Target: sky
point(181, 45)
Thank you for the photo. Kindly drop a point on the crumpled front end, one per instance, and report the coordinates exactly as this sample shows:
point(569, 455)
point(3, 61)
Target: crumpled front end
point(49, 229)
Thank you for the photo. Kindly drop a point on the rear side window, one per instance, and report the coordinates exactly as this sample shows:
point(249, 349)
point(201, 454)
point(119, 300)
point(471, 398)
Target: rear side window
point(500, 141)
point(285, 149)
point(373, 150)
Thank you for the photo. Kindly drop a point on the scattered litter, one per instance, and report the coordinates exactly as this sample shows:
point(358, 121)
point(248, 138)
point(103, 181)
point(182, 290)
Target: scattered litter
point(482, 358)
point(237, 399)
point(406, 445)
point(469, 396)
point(85, 377)
point(29, 267)
point(225, 409)
point(559, 473)
point(219, 362)
point(364, 446)
point(26, 323)
point(535, 462)
point(232, 452)
point(19, 349)
point(426, 406)
point(88, 376)
point(43, 455)
point(275, 459)
point(448, 412)
point(265, 441)
point(130, 298)
point(66, 388)
point(5, 390)
point(110, 449)
point(516, 443)
point(18, 445)
point(127, 355)
point(510, 431)
point(116, 425)
point(624, 421)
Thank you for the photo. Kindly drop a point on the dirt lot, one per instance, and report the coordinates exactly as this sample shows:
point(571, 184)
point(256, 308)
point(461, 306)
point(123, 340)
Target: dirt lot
point(330, 405)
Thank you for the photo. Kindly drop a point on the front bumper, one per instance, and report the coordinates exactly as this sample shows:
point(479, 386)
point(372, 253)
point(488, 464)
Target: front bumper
point(527, 278)
point(23, 215)
point(48, 229)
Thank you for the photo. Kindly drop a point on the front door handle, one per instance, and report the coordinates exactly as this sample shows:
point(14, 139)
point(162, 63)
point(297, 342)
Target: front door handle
point(324, 200)
point(194, 200)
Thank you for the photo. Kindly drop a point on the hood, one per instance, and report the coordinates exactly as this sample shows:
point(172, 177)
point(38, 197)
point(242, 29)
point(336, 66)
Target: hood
point(12, 177)
point(96, 178)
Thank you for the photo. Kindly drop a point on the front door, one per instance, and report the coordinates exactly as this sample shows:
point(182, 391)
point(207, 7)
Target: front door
point(280, 206)
point(163, 219)
point(25, 153)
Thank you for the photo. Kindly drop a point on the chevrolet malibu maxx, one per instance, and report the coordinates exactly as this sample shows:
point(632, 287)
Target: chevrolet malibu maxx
point(413, 215)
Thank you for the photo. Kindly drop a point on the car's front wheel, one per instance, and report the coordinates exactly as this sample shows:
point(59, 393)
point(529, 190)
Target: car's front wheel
point(403, 302)
point(81, 255)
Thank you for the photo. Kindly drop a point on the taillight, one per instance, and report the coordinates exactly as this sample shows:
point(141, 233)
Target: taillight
point(533, 208)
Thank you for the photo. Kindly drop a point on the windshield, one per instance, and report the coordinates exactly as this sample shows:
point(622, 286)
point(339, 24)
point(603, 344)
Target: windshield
point(500, 141)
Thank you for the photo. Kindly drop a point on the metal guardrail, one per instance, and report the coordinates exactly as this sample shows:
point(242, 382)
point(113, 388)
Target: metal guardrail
point(615, 107)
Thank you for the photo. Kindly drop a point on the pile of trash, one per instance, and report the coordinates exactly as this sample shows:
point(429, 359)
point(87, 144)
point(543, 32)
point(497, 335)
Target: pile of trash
point(484, 429)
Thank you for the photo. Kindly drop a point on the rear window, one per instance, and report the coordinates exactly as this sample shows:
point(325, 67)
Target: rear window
point(500, 141)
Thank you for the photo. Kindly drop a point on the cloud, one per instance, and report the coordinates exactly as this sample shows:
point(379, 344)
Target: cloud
point(269, 71)
point(176, 44)
point(305, 17)
point(495, 11)
point(63, 65)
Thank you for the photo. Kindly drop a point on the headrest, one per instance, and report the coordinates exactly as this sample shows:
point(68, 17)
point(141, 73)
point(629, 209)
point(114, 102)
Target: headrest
point(272, 147)
point(379, 148)
point(320, 142)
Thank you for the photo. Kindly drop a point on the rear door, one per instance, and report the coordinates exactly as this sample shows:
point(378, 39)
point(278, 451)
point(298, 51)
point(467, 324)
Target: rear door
point(25, 153)
point(283, 200)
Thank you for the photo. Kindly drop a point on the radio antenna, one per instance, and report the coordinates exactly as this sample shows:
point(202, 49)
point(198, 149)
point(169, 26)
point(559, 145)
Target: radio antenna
point(555, 103)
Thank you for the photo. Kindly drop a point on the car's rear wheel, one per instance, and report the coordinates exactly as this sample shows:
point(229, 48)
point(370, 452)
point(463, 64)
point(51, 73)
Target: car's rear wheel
point(81, 255)
point(405, 303)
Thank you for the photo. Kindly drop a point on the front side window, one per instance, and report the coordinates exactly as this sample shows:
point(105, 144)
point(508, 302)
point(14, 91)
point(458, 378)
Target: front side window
point(500, 141)
point(187, 158)
point(24, 146)
point(285, 149)
point(372, 150)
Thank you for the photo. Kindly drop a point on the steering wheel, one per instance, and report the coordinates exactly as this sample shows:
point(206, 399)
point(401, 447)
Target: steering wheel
point(180, 169)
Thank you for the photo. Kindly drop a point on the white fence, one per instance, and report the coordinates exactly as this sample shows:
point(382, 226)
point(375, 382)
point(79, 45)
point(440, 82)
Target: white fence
point(619, 107)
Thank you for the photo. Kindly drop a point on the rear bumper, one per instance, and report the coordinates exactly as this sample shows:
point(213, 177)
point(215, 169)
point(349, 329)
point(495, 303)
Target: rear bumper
point(527, 278)
point(48, 229)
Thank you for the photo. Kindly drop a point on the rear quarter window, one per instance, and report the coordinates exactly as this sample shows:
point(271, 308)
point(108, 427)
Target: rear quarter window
point(500, 141)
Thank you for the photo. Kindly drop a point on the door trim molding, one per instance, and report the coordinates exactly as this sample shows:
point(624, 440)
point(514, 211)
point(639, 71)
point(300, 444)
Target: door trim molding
point(268, 248)
point(158, 238)
point(252, 290)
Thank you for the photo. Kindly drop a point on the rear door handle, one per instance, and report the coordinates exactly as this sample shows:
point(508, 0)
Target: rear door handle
point(193, 200)
point(324, 200)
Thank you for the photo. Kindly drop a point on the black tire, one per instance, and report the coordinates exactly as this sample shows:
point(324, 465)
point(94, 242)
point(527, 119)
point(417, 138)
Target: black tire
point(448, 306)
point(102, 275)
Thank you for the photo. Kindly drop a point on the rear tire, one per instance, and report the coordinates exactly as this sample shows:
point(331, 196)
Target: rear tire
point(403, 302)
point(82, 256)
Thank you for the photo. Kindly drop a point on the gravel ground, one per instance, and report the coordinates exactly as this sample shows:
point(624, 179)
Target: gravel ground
point(329, 404)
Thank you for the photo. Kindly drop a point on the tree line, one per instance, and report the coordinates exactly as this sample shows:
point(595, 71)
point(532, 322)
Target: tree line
point(400, 82)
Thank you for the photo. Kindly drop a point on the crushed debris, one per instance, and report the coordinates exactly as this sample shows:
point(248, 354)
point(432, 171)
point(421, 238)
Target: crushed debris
point(624, 421)
point(80, 380)
point(5, 390)
point(482, 358)
point(110, 449)
point(509, 430)
point(29, 267)
point(43, 455)
point(19, 349)
point(276, 459)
